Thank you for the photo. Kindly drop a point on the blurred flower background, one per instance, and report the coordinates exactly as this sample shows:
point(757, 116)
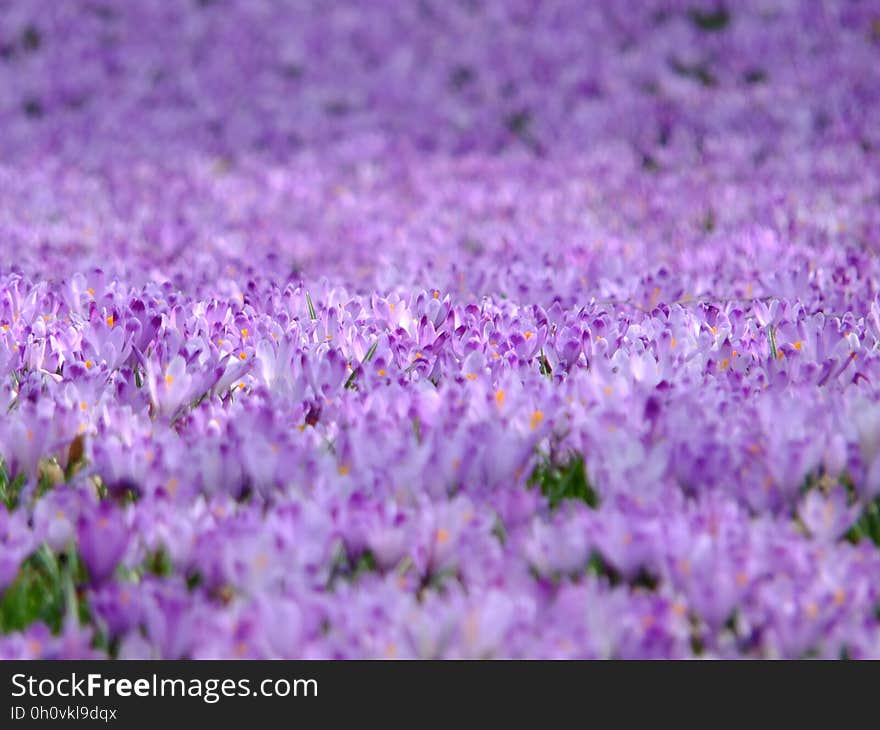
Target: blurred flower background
point(448, 329)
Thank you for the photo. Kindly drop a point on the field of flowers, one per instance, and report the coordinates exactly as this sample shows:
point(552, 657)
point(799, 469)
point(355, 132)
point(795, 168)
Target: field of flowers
point(439, 329)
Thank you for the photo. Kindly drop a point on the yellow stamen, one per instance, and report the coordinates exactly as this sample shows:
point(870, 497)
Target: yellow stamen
point(536, 418)
point(499, 397)
point(344, 469)
point(88, 364)
point(442, 536)
point(111, 320)
point(381, 373)
point(528, 335)
point(242, 356)
point(797, 345)
point(471, 376)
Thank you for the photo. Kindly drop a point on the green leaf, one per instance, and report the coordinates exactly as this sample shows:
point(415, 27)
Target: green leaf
point(10, 489)
point(567, 480)
point(44, 590)
point(544, 365)
point(159, 563)
point(350, 383)
point(417, 429)
point(312, 312)
point(772, 335)
point(867, 526)
point(710, 21)
point(371, 351)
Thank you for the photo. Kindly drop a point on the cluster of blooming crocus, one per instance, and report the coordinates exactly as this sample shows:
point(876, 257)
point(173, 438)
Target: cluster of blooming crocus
point(456, 330)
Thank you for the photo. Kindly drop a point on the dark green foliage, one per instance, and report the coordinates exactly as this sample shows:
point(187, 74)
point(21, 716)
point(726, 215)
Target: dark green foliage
point(544, 365)
point(697, 71)
point(598, 566)
point(159, 563)
point(44, 590)
point(194, 580)
point(518, 122)
point(564, 481)
point(10, 489)
point(710, 21)
point(417, 429)
point(350, 567)
point(867, 526)
point(709, 222)
point(365, 563)
point(351, 383)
